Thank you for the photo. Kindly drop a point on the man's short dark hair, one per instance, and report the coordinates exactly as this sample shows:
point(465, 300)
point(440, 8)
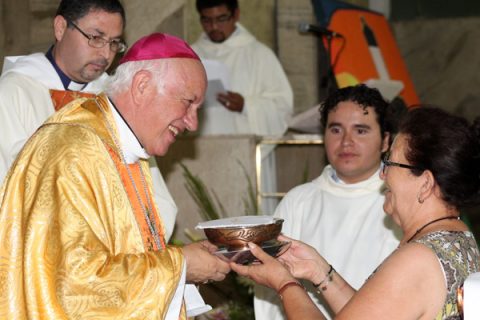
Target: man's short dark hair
point(364, 97)
point(232, 5)
point(73, 10)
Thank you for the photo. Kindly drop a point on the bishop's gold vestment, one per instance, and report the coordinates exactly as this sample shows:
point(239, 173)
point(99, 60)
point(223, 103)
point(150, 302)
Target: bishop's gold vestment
point(70, 245)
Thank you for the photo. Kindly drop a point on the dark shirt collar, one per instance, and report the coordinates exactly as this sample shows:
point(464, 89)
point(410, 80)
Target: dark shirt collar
point(68, 84)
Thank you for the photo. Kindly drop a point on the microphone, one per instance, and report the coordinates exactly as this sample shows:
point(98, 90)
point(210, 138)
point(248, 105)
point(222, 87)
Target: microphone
point(304, 27)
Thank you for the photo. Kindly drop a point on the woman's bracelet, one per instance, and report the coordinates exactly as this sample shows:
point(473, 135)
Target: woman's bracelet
point(322, 285)
point(287, 285)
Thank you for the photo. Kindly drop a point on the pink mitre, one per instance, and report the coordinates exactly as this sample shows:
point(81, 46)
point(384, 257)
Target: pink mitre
point(159, 46)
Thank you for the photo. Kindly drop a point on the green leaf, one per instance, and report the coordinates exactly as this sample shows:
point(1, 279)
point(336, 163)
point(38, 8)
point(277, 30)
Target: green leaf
point(200, 194)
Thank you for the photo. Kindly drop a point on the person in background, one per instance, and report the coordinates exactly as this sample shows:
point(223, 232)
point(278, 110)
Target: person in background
point(88, 36)
point(431, 172)
point(260, 98)
point(340, 213)
point(81, 236)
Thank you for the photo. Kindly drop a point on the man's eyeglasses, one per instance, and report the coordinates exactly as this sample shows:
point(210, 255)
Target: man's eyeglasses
point(387, 163)
point(224, 18)
point(116, 45)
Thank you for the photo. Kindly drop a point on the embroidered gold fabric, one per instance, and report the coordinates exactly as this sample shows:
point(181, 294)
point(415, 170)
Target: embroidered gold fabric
point(70, 245)
point(60, 98)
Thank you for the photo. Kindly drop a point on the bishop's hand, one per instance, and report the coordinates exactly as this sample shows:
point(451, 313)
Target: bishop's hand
point(202, 264)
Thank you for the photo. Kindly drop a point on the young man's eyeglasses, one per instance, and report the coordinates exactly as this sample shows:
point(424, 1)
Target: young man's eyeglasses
point(387, 163)
point(116, 45)
point(224, 18)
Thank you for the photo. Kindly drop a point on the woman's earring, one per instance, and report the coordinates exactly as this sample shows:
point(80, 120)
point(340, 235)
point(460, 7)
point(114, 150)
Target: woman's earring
point(420, 200)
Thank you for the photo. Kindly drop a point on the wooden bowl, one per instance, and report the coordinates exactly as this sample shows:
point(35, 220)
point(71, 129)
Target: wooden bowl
point(236, 238)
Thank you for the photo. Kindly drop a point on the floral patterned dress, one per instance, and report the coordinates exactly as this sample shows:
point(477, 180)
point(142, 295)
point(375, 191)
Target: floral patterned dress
point(459, 256)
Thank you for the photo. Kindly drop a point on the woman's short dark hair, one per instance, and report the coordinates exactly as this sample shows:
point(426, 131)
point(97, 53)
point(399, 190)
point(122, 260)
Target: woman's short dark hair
point(447, 146)
point(73, 10)
point(363, 96)
point(232, 5)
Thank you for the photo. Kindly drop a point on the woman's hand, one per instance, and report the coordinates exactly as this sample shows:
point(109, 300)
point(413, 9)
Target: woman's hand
point(303, 261)
point(270, 272)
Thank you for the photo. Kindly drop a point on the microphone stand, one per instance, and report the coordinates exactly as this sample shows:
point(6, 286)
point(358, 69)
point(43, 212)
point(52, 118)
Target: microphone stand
point(327, 82)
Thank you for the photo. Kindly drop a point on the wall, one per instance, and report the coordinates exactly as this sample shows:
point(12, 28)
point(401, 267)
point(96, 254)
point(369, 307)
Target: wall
point(25, 26)
point(299, 60)
point(442, 56)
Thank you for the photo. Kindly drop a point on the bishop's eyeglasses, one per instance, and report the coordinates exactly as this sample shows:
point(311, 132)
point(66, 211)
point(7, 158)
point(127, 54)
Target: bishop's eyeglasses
point(387, 163)
point(116, 45)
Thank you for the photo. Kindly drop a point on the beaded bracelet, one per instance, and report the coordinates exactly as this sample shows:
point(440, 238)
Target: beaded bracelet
point(288, 284)
point(324, 283)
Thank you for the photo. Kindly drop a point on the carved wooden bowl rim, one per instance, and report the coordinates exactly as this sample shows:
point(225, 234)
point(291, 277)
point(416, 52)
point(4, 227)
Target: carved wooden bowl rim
point(237, 237)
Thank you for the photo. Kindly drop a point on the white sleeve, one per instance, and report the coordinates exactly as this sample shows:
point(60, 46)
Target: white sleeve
point(24, 105)
point(175, 306)
point(269, 104)
point(166, 205)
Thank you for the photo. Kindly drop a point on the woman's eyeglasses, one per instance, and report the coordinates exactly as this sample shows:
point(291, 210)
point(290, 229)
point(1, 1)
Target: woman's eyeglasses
point(387, 163)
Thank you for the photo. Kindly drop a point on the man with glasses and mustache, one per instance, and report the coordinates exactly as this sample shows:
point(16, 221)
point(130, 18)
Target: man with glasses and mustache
point(260, 99)
point(88, 36)
point(340, 213)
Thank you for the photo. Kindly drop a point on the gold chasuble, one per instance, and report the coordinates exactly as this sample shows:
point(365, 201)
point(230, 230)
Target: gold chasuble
point(74, 244)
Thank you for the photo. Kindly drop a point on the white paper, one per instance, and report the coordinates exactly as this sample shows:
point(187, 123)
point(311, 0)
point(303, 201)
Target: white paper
point(241, 221)
point(218, 78)
point(217, 70)
point(214, 87)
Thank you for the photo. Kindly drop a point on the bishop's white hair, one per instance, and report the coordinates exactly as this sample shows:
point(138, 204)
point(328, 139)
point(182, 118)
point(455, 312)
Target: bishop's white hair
point(121, 80)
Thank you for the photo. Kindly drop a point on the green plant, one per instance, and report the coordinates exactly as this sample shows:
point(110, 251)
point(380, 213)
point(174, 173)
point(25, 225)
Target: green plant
point(250, 203)
point(208, 208)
